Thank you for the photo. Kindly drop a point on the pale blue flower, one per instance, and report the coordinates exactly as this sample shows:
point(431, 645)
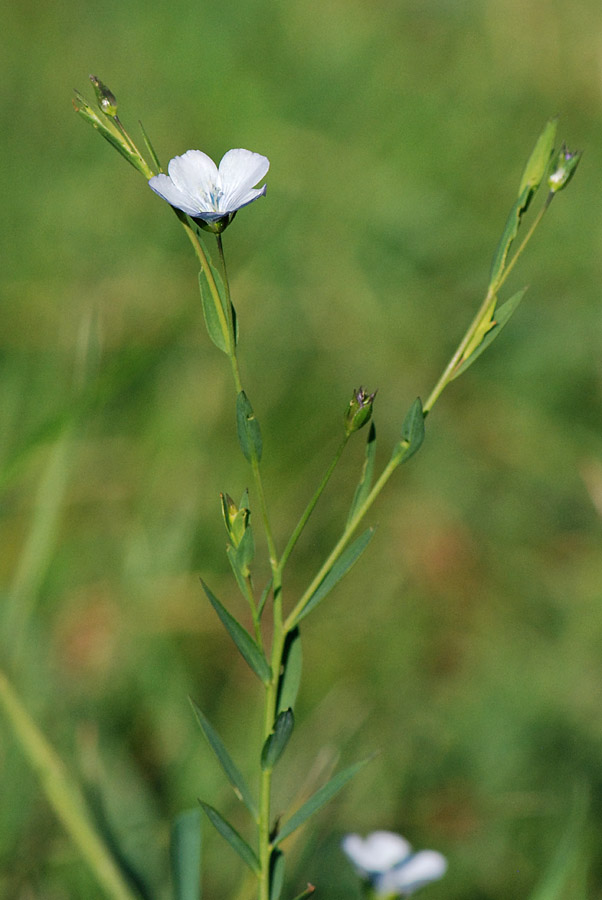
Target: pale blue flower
point(385, 861)
point(203, 191)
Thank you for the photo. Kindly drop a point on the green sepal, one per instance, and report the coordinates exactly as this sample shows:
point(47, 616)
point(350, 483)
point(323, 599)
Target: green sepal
point(276, 742)
point(249, 432)
point(249, 650)
point(508, 235)
point(277, 866)
point(365, 482)
point(339, 569)
point(230, 834)
point(538, 162)
point(318, 800)
point(412, 432)
point(502, 317)
point(185, 855)
point(292, 665)
point(225, 760)
point(214, 314)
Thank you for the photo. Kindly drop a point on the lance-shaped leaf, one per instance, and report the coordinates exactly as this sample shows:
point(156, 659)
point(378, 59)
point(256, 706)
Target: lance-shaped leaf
point(365, 483)
point(214, 300)
point(539, 160)
point(318, 800)
point(249, 432)
point(412, 431)
point(338, 571)
point(277, 865)
point(278, 739)
point(502, 317)
point(230, 834)
point(185, 855)
point(292, 664)
point(508, 235)
point(225, 760)
point(249, 650)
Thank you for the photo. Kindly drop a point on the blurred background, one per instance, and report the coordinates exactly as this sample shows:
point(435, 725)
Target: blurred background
point(467, 645)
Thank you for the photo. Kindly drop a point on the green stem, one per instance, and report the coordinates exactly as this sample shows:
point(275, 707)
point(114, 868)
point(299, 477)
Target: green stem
point(62, 794)
point(341, 544)
point(486, 308)
point(238, 384)
point(311, 505)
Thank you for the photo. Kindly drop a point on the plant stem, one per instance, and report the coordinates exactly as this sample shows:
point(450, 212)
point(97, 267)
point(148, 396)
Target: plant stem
point(339, 547)
point(63, 795)
point(487, 307)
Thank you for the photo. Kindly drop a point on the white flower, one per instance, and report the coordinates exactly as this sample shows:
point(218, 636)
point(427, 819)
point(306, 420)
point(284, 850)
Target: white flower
point(202, 190)
point(385, 860)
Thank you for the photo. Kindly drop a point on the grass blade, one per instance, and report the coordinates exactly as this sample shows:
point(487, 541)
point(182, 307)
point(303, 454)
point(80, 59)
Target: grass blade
point(185, 855)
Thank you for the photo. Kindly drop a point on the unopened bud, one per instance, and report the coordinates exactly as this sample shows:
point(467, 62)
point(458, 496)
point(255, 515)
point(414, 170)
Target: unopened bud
point(105, 98)
point(359, 410)
point(236, 519)
point(563, 168)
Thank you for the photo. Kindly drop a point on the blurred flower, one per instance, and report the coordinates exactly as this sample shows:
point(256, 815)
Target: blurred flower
point(210, 194)
point(385, 861)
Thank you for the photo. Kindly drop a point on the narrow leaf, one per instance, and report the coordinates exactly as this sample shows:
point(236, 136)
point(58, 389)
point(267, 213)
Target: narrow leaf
point(502, 316)
point(234, 563)
point(230, 834)
point(150, 147)
point(249, 650)
point(412, 431)
point(539, 160)
point(246, 550)
point(249, 432)
point(338, 571)
point(318, 800)
point(225, 760)
point(185, 855)
point(292, 664)
point(263, 599)
point(277, 865)
point(274, 746)
point(365, 483)
point(215, 318)
point(508, 235)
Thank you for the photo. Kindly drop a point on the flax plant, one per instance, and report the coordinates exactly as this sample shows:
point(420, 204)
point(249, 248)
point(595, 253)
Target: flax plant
point(205, 199)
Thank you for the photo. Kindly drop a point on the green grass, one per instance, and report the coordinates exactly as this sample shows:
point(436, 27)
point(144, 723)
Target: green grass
point(466, 645)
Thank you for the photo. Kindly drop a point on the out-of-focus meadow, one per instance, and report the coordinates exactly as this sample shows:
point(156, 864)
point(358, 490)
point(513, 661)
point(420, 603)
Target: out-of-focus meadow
point(467, 645)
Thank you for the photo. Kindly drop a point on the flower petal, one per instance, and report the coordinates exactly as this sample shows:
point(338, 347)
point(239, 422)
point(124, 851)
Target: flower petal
point(408, 876)
point(239, 171)
point(378, 853)
point(165, 188)
point(194, 173)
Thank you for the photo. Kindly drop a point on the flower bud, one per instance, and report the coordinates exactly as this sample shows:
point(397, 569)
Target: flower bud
point(236, 519)
point(104, 97)
point(359, 410)
point(563, 168)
